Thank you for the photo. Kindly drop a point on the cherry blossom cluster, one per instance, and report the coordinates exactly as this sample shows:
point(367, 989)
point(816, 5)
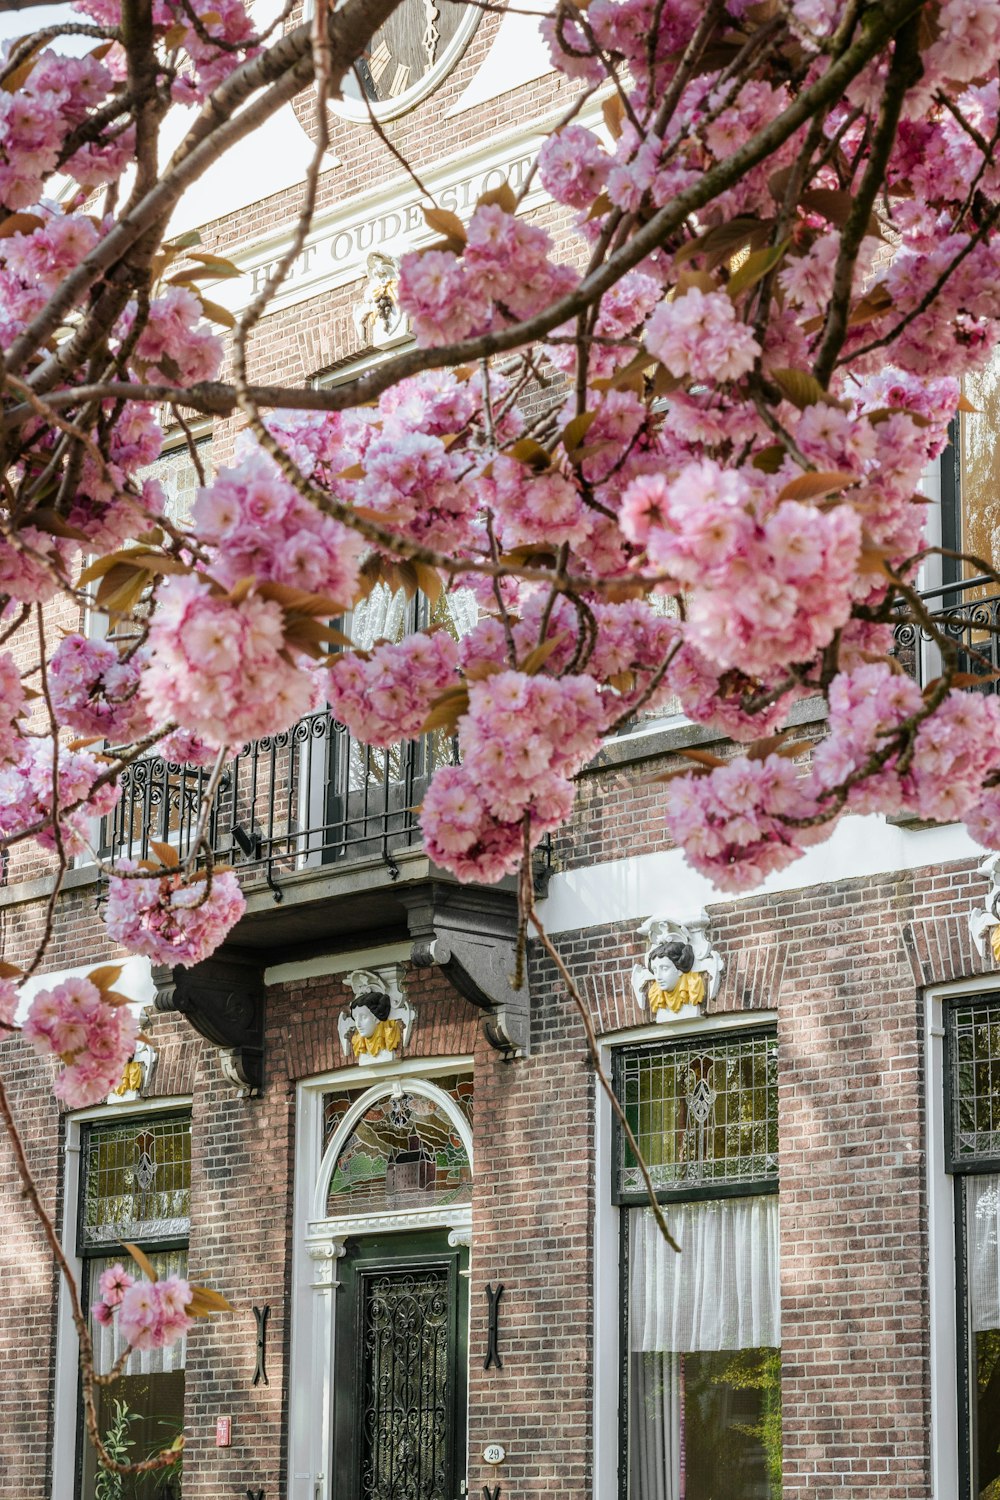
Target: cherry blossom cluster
point(151, 1314)
point(385, 695)
point(219, 664)
point(39, 781)
point(92, 1035)
point(260, 528)
point(95, 691)
point(171, 918)
point(504, 274)
point(521, 741)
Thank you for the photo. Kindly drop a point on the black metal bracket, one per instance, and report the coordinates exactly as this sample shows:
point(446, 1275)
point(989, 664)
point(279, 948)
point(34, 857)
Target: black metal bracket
point(493, 1327)
point(260, 1373)
point(255, 1494)
point(490, 1494)
point(471, 933)
point(223, 999)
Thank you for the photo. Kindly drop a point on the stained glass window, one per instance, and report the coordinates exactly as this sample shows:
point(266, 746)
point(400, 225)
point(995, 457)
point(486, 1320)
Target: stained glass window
point(701, 1394)
point(704, 1113)
point(974, 1054)
point(404, 1151)
point(136, 1187)
point(136, 1182)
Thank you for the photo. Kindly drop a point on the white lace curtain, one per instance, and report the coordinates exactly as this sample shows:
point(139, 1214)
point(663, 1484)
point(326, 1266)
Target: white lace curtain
point(720, 1292)
point(982, 1210)
point(108, 1343)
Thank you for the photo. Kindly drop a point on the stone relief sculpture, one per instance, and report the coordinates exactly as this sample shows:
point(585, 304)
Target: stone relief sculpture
point(378, 317)
point(376, 1025)
point(136, 1075)
point(985, 925)
point(681, 970)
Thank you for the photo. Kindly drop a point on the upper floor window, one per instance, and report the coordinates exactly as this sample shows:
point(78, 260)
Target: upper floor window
point(973, 1154)
point(701, 1408)
point(136, 1186)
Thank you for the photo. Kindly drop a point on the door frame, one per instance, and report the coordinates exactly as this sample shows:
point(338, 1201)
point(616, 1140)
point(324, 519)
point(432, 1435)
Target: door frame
point(368, 1255)
point(319, 1244)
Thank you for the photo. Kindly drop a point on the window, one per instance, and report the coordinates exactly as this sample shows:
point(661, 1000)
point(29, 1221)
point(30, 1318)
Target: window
point(973, 1155)
point(136, 1186)
point(701, 1377)
point(403, 1152)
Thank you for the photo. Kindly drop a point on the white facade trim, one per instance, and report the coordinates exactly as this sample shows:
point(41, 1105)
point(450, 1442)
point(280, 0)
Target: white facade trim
point(67, 1368)
point(629, 889)
point(337, 963)
point(318, 1243)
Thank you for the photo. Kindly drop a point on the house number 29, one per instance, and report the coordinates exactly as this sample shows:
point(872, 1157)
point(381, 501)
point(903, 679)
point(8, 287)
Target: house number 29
point(494, 1453)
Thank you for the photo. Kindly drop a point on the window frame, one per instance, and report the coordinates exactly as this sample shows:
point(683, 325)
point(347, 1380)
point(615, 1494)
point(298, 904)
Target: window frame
point(959, 1169)
point(66, 1380)
point(720, 1030)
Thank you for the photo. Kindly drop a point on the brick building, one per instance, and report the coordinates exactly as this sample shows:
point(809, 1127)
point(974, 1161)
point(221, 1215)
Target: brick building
point(820, 1112)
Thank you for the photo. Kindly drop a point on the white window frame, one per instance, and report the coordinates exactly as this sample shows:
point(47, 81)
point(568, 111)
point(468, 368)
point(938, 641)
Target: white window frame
point(607, 1261)
point(942, 1276)
point(318, 1243)
point(66, 1383)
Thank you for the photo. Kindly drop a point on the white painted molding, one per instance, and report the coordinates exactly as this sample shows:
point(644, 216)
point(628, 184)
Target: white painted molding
point(517, 55)
point(338, 963)
point(626, 890)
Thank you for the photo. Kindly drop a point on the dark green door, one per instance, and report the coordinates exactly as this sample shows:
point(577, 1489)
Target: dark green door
point(400, 1369)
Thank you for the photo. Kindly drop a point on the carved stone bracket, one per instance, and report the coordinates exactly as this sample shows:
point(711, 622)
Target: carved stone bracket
point(223, 999)
point(471, 933)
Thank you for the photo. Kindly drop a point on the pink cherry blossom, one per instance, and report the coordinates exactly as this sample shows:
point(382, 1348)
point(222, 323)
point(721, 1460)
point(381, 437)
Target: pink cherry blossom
point(92, 1037)
point(172, 919)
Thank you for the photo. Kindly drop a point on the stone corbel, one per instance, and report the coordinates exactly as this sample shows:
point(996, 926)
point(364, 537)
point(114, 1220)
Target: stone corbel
point(223, 999)
point(324, 1255)
point(470, 932)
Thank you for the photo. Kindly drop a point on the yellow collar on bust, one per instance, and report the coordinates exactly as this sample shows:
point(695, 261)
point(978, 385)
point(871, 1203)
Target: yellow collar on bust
point(689, 990)
point(387, 1037)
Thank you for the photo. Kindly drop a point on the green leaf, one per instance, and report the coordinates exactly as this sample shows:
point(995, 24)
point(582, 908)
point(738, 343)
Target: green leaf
point(756, 266)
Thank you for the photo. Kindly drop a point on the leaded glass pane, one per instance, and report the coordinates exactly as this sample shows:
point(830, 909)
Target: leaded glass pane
point(974, 1052)
point(404, 1151)
point(136, 1182)
point(704, 1111)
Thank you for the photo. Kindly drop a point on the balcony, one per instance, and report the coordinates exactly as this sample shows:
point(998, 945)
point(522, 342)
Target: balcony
point(304, 816)
point(967, 613)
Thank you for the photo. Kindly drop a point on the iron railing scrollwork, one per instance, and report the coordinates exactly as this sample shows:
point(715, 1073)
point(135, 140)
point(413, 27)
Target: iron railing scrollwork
point(305, 797)
point(967, 613)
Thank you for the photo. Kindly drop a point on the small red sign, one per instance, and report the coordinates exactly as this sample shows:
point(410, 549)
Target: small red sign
point(223, 1431)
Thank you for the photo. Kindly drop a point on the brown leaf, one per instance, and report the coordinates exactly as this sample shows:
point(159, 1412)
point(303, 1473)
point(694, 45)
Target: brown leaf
point(429, 581)
point(165, 853)
point(836, 205)
point(214, 312)
point(503, 196)
point(529, 451)
point(205, 1301)
point(812, 486)
point(480, 670)
point(216, 263)
point(10, 971)
point(703, 758)
point(536, 659)
point(614, 113)
point(19, 223)
point(721, 242)
point(17, 79)
point(964, 404)
point(769, 459)
point(443, 221)
point(142, 1260)
point(446, 710)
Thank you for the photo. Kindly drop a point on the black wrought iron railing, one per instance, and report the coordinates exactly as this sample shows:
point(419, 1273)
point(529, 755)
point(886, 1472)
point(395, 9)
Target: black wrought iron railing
point(306, 797)
point(967, 613)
